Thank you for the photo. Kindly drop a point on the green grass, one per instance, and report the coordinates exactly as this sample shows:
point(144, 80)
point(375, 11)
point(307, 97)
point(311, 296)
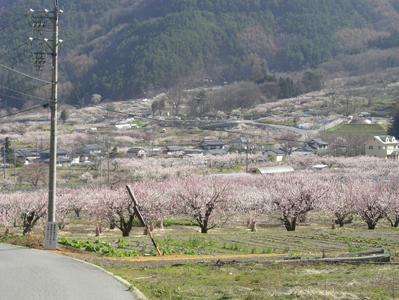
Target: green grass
point(236, 280)
point(371, 129)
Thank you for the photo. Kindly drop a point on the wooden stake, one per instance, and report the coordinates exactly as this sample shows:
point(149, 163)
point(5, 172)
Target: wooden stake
point(141, 218)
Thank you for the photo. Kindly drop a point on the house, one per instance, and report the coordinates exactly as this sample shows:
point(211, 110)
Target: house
point(173, 150)
point(123, 126)
point(212, 145)
point(364, 115)
point(383, 146)
point(136, 153)
point(216, 152)
point(315, 146)
point(278, 153)
point(88, 153)
point(62, 157)
point(240, 143)
point(271, 170)
point(318, 144)
point(193, 152)
point(26, 156)
point(305, 150)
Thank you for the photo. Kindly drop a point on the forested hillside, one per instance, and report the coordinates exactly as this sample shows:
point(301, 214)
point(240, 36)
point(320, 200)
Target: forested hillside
point(122, 49)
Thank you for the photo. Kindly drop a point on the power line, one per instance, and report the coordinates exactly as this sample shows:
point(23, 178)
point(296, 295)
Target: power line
point(24, 93)
point(20, 73)
point(15, 6)
point(13, 22)
point(14, 37)
point(76, 94)
point(16, 98)
point(14, 31)
point(22, 111)
point(3, 62)
point(15, 48)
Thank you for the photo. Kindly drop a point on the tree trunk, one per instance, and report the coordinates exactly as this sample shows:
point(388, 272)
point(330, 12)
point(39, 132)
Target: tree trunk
point(124, 226)
point(204, 230)
point(392, 222)
point(7, 231)
point(97, 231)
point(290, 224)
point(160, 224)
point(253, 227)
point(371, 226)
point(30, 223)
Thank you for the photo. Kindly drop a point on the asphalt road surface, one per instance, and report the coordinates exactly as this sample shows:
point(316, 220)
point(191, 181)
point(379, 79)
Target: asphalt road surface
point(31, 274)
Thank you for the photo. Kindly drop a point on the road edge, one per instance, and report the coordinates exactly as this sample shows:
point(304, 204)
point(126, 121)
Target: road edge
point(137, 293)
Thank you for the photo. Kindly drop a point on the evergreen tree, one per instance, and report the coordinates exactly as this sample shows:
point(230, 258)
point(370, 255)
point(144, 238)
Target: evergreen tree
point(154, 106)
point(287, 88)
point(393, 129)
point(64, 115)
point(201, 101)
point(7, 150)
point(114, 153)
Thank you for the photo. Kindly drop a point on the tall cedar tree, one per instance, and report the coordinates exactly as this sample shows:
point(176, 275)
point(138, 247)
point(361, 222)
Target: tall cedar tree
point(394, 127)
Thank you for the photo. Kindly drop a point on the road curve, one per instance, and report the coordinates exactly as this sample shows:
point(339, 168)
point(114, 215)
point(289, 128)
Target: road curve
point(34, 275)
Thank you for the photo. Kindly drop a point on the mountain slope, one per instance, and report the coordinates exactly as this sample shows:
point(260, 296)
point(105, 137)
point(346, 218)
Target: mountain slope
point(123, 48)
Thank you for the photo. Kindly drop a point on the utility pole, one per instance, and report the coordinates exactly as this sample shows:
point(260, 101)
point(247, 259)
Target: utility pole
point(15, 172)
point(101, 169)
point(4, 161)
point(246, 160)
point(51, 225)
point(108, 165)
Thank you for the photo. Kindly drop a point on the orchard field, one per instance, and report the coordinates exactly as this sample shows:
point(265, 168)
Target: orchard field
point(222, 235)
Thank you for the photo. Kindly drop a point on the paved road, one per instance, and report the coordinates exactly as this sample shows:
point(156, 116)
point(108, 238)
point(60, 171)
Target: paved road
point(31, 274)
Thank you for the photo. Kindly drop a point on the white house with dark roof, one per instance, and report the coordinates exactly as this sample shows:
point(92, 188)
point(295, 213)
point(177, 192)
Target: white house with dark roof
point(383, 146)
point(193, 152)
point(240, 143)
point(318, 144)
point(278, 153)
point(173, 150)
point(26, 156)
point(136, 153)
point(62, 157)
point(89, 153)
point(212, 145)
point(315, 146)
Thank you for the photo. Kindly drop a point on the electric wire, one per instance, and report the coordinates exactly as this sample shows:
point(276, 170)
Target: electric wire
point(4, 61)
point(26, 75)
point(16, 98)
point(12, 23)
point(12, 50)
point(24, 93)
point(19, 4)
point(35, 87)
point(14, 37)
point(17, 62)
point(22, 111)
point(27, 90)
point(62, 66)
point(14, 31)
